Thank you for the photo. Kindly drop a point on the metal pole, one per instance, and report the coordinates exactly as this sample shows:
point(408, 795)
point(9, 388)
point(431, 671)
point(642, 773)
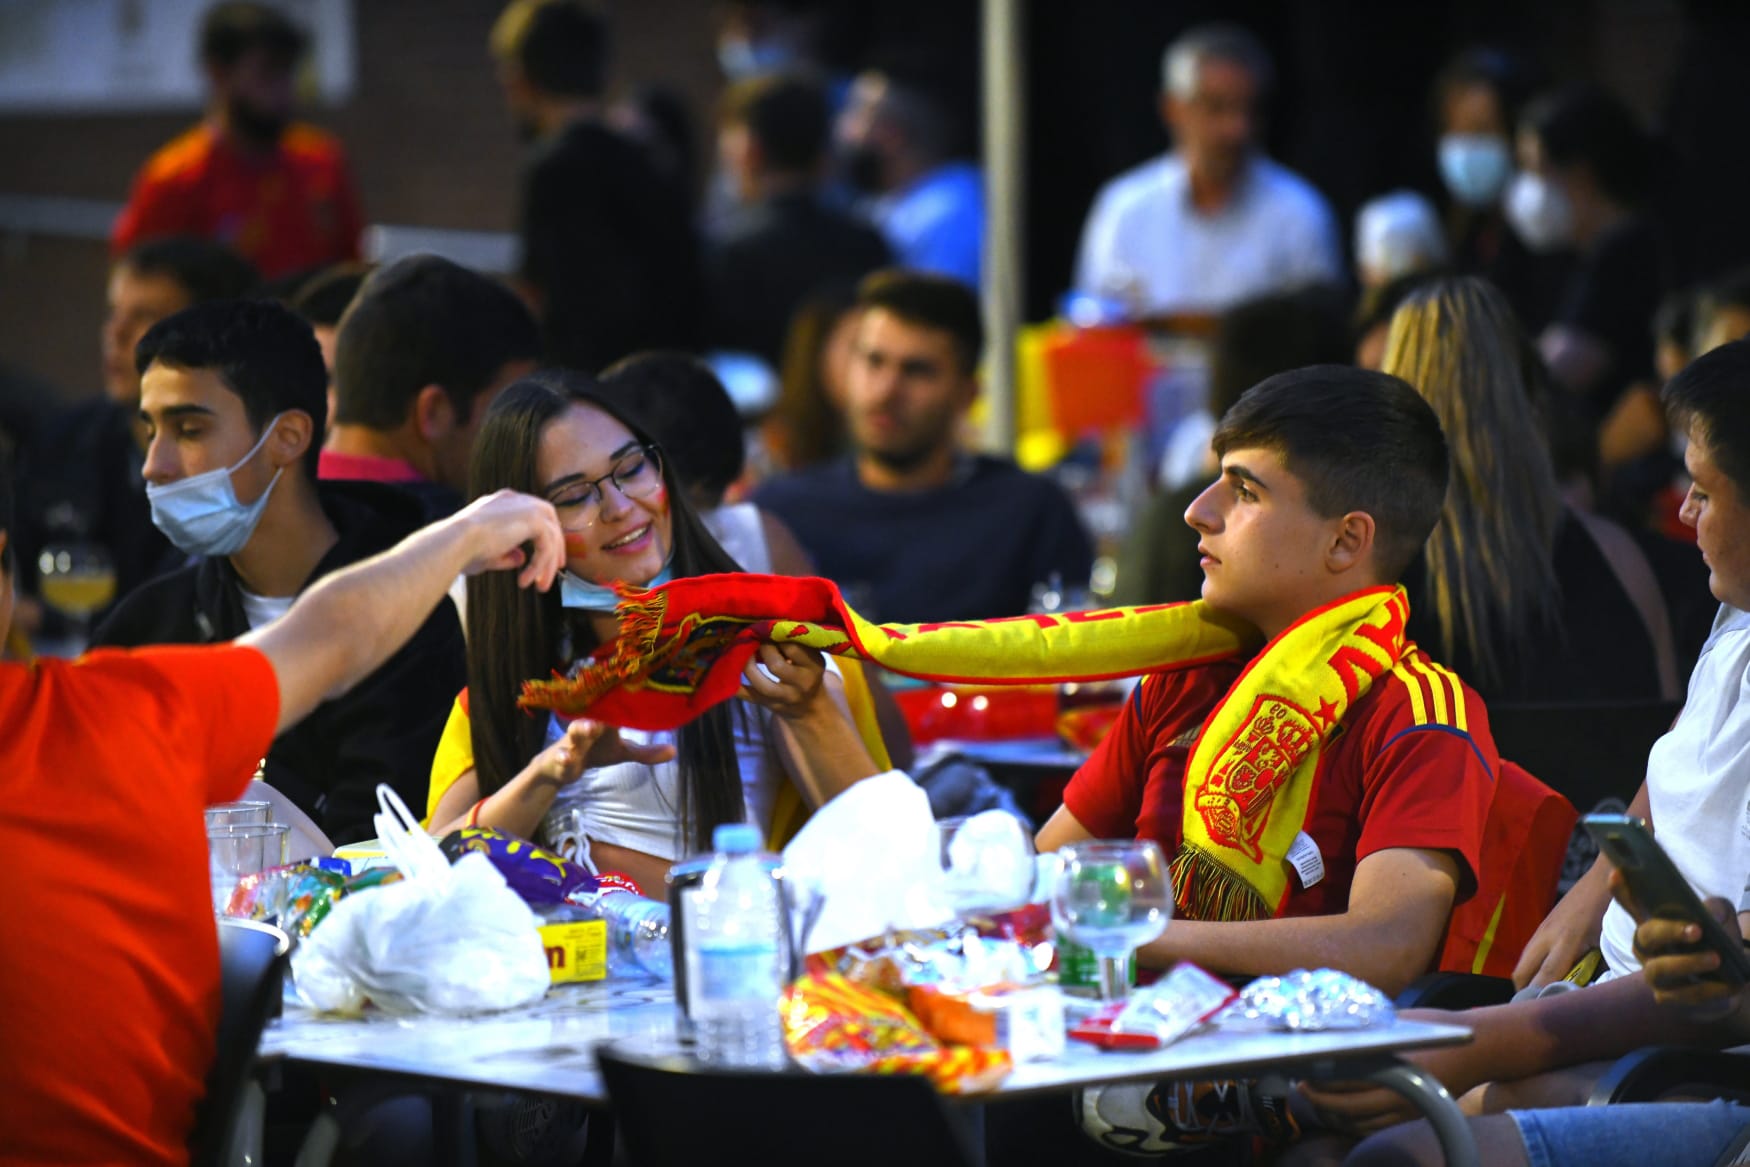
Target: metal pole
point(1004, 164)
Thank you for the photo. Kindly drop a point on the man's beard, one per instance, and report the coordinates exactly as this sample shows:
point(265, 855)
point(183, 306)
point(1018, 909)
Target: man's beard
point(263, 129)
point(902, 461)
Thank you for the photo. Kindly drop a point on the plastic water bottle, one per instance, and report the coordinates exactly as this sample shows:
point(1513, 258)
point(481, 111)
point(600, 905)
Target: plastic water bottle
point(735, 957)
point(637, 934)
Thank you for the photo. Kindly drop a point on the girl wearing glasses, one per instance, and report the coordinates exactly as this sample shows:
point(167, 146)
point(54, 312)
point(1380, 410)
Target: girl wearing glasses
point(620, 800)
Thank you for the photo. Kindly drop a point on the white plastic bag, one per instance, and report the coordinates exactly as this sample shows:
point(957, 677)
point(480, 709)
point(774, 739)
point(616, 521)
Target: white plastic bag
point(446, 939)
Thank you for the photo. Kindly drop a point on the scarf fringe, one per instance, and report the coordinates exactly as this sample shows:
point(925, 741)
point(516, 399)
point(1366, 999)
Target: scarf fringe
point(1204, 889)
point(640, 613)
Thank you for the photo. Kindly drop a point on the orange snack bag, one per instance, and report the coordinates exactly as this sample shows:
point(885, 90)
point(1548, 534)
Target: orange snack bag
point(832, 1024)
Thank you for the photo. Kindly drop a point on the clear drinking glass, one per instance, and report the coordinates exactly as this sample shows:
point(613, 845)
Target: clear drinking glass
point(77, 580)
point(1110, 897)
point(987, 862)
point(237, 814)
point(237, 850)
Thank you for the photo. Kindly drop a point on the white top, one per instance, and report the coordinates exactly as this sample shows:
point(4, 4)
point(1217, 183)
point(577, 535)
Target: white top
point(1698, 781)
point(259, 610)
point(638, 806)
point(738, 528)
point(1146, 245)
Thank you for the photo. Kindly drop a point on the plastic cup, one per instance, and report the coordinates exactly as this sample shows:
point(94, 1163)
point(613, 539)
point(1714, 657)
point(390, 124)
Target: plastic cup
point(240, 849)
point(238, 814)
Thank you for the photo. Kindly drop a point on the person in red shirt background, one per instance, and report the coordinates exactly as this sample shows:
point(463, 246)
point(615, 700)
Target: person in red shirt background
point(275, 191)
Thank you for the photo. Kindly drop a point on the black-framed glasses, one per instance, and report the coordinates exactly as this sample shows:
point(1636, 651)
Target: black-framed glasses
point(637, 474)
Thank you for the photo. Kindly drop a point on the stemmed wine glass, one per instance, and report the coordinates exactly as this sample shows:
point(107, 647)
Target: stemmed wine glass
point(1111, 897)
point(78, 580)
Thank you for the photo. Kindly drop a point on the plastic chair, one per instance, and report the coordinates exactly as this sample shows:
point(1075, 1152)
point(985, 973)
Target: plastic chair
point(252, 964)
point(669, 1111)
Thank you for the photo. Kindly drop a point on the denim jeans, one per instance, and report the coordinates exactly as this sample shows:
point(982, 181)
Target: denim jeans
point(1683, 1134)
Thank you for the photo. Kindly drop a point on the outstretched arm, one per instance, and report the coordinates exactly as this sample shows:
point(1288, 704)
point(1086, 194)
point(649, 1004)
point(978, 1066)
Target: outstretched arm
point(1390, 934)
point(342, 629)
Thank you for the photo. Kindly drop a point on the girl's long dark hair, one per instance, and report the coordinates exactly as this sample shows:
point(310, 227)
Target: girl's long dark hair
point(516, 634)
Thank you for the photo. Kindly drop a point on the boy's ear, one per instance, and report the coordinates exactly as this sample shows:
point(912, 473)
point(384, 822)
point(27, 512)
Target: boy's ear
point(1352, 545)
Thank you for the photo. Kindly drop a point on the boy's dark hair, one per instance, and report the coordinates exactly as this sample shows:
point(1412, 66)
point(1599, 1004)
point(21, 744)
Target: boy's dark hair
point(323, 298)
point(680, 401)
point(931, 301)
point(263, 351)
point(231, 30)
point(1585, 124)
point(424, 321)
point(1272, 334)
point(786, 114)
point(202, 268)
point(1710, 399)
point(561, 46)
point(1359, 441)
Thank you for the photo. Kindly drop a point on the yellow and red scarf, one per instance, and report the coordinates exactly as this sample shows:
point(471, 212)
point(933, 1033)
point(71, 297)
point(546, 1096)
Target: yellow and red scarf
point(1248, 785)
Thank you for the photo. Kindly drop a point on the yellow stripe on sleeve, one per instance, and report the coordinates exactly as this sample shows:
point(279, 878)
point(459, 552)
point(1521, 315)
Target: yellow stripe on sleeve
point(1412, 685)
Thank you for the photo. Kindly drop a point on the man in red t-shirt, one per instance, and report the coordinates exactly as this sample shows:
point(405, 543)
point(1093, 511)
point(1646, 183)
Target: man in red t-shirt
point(1331, 479)
point(276, 192)
point(109, 962)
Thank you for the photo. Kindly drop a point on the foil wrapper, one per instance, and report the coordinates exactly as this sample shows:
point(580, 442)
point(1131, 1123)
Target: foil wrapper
point(1309, 1000)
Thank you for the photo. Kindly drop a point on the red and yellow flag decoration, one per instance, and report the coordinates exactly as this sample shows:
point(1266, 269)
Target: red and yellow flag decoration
point(682, 646)
point(1249, 780)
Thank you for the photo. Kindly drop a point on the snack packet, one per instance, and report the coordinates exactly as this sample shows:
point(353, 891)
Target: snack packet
point(1160, 1014)
point(299, 896)
point(537, 875)
point(832, 1025)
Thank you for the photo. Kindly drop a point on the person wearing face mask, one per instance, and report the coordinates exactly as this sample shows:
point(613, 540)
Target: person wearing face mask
point(620, 800)
point(233, 399)
point(1586, 171)
point(1477, 99)
point(898, 142)
point(277, 192)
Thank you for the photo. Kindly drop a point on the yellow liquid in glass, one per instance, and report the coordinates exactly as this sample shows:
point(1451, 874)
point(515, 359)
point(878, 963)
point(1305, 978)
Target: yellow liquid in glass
point(78, 595)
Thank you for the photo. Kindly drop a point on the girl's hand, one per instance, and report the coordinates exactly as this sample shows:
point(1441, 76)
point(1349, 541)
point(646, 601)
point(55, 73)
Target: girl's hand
point(789, 684)
point(589, 744)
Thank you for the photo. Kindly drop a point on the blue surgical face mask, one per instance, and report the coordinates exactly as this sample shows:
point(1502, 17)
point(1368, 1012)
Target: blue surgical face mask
point(578, 593)
point(1476, 167)
point(202, 516)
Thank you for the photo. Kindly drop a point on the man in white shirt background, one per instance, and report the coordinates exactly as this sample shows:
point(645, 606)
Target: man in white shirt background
point(1213, 221)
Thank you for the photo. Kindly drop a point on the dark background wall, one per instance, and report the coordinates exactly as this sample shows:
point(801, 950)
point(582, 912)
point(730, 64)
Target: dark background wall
point(431, 145)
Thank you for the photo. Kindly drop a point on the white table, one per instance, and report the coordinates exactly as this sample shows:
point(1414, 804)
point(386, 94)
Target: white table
point(549, 1048)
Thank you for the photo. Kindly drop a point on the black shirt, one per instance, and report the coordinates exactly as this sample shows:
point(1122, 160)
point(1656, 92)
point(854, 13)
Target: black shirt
point(1611, 297)
point(1597, 649)
point(770, 257)
point(607, 242)
point(972, 549)
point(384, 729)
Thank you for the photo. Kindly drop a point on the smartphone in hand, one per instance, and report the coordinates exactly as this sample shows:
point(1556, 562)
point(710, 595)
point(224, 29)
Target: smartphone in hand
point(1659, 889)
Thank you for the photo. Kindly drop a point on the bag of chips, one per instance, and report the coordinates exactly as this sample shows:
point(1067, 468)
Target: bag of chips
point(832, 1025)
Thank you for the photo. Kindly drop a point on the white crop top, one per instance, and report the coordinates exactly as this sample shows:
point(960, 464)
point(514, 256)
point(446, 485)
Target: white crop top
point(638, 806)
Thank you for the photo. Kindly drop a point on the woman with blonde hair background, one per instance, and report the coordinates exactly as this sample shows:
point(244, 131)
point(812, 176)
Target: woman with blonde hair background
point(1526, 598)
